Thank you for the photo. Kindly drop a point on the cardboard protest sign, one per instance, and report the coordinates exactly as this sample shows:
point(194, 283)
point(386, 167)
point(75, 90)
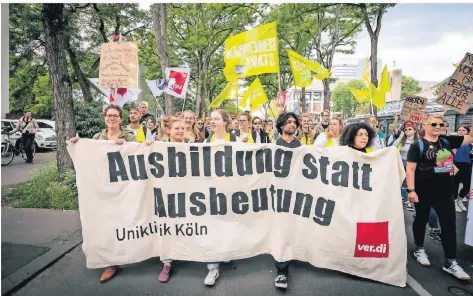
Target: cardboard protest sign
point(460, 84)
point(413, 109)
point(252, 53)
point(452, 102)
point(240, 201)
point(118, 65)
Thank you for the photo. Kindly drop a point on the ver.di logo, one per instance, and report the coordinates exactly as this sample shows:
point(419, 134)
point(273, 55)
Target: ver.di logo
point(372, 240)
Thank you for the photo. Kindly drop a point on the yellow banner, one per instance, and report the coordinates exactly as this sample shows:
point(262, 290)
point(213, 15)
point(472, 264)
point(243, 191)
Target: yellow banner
point(300, 67)
point(360, 95)
point(230, 92)
point(273, 110)
point(252, 53)
point(254, 95)
point(384, 87)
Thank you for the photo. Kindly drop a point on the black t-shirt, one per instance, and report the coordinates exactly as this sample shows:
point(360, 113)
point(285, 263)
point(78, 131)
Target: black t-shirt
point(361, 150)
point(430, 164)
point(294, 143)
point(325, 126)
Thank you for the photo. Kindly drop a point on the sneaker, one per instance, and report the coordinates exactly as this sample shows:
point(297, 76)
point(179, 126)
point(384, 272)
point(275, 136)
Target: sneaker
point(211, 277)
point(408, 206)
point(435, 237)
point(421, 257)
point(461, 205)
point(465, 199)
point(457, 207)
point(165, 273)
point(281, 281)
point(455, 270)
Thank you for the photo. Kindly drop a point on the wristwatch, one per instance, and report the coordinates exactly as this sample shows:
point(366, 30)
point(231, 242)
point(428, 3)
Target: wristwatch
point(410, 190)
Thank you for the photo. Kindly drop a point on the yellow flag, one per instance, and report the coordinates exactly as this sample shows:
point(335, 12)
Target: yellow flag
point(321, 71)
point(384, 87)
point(254, 95)
point(300, 67)
point(273, 110)
point(360, 95)
point(230, 92)
point(252, 53)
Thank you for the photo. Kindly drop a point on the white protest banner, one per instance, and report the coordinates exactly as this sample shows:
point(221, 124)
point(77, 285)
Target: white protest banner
point(469, 218)
point(413, 108)
point(118, 65)
point(334, 208)
point(178, 81)
point(158, 86)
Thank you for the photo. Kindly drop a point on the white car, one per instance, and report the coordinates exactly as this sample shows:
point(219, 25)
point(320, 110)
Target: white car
point(45, 137)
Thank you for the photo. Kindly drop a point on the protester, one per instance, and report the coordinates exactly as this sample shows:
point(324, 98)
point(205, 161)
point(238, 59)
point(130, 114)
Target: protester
point(135, 127)
point(192, 133)
point(430, 184)
point(306, 135)
point(207, 127)
point(260, 135)
point(405, 138)
point(144, 113)
point(162, 135)
point(322, 126)
point(113, 132)
point(234, 125)
point(270, 130)
point(358, 136)
point(463, 163)
point(175, 129)
point(286, 124)
point(378, 142)
point(28, 127)
point(151, 129)
point(332, 136)
point(201, 128)
point(244, 132)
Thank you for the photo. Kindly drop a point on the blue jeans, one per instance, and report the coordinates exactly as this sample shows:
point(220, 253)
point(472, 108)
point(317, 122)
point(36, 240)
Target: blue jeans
point(433, 220)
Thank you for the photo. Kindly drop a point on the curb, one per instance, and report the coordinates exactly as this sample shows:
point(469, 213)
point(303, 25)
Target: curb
point(20, 277)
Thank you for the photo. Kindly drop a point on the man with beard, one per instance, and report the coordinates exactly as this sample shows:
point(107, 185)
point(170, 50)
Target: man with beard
point(322, 126)
point(287, 125)
point(135, 127)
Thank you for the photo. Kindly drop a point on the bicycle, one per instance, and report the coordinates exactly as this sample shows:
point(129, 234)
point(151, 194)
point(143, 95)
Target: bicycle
point(9, 150)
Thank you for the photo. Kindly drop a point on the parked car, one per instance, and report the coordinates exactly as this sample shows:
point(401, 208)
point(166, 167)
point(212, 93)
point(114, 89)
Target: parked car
point(45, 137)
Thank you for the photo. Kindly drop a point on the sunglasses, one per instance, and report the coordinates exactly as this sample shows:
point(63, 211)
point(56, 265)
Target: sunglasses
point(257, 122)
point(408, 129)
point(435, 124)
point(376, 126)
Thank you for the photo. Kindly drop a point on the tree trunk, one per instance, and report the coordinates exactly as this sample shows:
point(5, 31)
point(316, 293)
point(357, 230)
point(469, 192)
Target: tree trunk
point(54, 31)
point(302, 101)
point(374, 67)
point(84, 85)
point(200, 87)
point(326, 84)
point(160, 25)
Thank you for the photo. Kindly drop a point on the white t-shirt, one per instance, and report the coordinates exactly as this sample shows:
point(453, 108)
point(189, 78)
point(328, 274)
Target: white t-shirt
point(134, 131)
point(219, 141)
point(258, 138)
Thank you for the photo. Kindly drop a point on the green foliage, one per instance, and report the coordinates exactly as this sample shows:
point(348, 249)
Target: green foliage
point(409, 86)
point(343, 100)
point(439, 88)
point(89, 118)
point(43, 190)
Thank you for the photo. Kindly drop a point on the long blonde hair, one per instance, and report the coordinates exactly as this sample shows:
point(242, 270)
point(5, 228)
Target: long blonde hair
point(195, 128)
point(163, 124)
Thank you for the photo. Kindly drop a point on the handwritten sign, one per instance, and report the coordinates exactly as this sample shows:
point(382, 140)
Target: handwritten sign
point(460, 84)
point(452, 102)
point(118, 65)
point(413, 108)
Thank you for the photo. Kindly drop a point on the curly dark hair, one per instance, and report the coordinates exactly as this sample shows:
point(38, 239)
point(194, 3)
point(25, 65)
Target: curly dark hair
point(283, 117)
point(349, 133)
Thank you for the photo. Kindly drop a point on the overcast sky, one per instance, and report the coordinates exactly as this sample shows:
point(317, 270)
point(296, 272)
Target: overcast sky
point(424, 39)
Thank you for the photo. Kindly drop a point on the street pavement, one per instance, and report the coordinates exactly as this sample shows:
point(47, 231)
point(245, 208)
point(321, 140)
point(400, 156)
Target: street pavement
point(253, 276)
point(19, 172)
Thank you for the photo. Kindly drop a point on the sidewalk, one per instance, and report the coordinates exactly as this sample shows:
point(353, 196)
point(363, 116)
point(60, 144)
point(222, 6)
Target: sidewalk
point(33, 239)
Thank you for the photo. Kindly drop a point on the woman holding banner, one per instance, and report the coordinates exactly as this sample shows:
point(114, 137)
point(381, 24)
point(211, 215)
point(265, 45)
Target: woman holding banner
point(113, 132)
point(330, 138)
point(430, 180)
point(358, 136)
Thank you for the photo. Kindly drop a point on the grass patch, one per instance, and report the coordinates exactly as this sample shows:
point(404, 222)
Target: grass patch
point(44, 191)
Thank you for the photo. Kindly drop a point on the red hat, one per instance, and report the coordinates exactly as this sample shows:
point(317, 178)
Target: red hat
point(409, 124)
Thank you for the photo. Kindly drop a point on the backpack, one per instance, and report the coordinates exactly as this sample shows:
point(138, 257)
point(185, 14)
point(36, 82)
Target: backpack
point(444, 141)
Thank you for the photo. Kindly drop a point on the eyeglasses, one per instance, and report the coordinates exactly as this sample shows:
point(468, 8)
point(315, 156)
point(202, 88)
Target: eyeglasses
point(112, 116)
point(200, 123)
point(408, 129)
point(376, 126)
point(434, 124)
point(257, 122)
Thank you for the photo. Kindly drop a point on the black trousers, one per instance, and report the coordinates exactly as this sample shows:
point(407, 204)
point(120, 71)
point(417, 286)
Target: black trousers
point(283, 267)
point(28, 142)
point(463, 176)
point(436, 193)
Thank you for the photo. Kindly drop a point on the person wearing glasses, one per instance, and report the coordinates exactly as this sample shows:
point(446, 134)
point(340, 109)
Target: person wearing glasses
point(378, 142)
point(405, 138)
point(201, 128)
point(113, 132)
point(244, 132)
point(430, 180)
point(270, 130)
point(260, 135)
point(322, 126)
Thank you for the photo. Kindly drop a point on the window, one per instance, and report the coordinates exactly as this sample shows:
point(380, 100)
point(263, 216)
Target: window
point(44, 125)
point(6, 125)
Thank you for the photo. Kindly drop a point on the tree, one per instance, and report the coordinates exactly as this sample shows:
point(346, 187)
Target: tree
point(409, 86)
point(343, 100)
point(160, 30)
point(372, 15)
point(54, 30)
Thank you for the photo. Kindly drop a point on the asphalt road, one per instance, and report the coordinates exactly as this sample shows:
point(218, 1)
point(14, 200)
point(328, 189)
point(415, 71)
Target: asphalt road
point(253, 276)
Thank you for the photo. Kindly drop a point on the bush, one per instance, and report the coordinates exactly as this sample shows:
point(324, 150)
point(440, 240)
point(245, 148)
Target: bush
point(43, 190)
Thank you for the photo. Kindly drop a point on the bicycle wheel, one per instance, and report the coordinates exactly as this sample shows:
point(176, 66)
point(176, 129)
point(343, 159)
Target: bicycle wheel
point(7, 154)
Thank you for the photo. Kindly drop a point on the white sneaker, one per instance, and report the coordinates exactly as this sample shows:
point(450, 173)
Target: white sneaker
point(461, 205)
point(457, 207)
point(211, 277)
point(456, 271)
point(422, 257)
point(465, 199)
